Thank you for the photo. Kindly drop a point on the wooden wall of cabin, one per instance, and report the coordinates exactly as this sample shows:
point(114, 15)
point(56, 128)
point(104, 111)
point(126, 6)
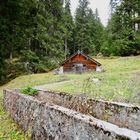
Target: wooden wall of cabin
point(68, 66)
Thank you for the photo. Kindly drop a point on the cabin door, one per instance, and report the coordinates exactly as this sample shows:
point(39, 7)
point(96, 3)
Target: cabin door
point(79, 67)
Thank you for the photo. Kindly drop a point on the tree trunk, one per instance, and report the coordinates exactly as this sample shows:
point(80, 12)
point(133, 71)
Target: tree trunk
point(66, 46)
point(138, 22)
point(11, 53)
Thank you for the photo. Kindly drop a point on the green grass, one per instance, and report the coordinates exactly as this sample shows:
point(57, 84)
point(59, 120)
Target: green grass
point(119, 82)
point(8, 129)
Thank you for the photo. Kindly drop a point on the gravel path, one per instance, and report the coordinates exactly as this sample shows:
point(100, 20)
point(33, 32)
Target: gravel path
point(42, 87)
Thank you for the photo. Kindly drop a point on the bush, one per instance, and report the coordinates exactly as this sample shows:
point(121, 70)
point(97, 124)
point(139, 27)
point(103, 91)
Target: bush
point(29, 91)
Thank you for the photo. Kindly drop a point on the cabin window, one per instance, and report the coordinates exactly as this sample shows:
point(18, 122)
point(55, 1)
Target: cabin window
point(84, 65)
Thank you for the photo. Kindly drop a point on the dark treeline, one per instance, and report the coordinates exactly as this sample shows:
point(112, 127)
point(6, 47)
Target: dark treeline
point(123, 30)
point(36, 35)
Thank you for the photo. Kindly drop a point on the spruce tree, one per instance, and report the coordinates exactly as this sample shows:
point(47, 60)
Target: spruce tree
point(123, 28)
point(82, 36)
point(31, 33)
point(68, 27)
point(88, 30)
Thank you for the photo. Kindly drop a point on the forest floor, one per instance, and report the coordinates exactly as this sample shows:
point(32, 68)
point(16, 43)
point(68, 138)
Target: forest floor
point(119, 82)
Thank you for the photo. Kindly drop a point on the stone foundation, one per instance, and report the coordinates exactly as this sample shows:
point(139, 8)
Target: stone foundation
point(48, 121)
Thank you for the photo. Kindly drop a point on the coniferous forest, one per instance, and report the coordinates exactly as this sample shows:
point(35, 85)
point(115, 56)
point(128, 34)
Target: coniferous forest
point(36, 35)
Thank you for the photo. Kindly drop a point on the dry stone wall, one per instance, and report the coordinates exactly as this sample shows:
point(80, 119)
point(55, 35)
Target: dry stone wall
point(47, 121)
point(121, 114)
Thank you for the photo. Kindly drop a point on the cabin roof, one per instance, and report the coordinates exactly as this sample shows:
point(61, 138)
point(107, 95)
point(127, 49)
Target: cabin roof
point(81, 53)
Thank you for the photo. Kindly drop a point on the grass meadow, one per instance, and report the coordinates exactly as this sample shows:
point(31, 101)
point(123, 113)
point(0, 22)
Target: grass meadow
point(120, 81)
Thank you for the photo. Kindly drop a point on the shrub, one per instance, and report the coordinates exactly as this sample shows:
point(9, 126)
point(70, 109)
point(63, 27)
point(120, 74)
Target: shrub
point(29, 91)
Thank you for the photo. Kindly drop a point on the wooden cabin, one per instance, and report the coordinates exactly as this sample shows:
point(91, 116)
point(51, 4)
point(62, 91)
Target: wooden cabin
point(79, 63)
